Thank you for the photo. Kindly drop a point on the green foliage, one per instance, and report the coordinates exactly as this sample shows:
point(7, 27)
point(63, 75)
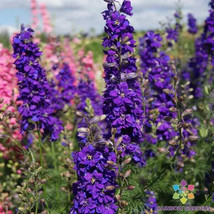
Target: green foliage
point(5, 39)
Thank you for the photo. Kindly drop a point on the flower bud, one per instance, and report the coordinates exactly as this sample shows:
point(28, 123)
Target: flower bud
point(163, 150)
point(124, 203)
point(172, 142)
point(193, 138)
point(86, 130)
point(108, 65)
point(102, 117)
point(118, 197)
point(80, 114)
point(127, 161)
point(127, 173)
point(131, 187)
point(111, 163)
point(119, 141)
point(131, 75)
point(173, 109)
point(94, 120)
point(187, 112)
point(113, 131)
point(110, 188)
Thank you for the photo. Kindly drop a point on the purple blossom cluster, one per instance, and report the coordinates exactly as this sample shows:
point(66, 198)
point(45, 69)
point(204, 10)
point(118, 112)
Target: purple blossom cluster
point(192, 24)
point(86, 90)
point(208, 34)
point(122, 96)
point(156, 68)
point(174, 32)
point(204, 54)
point(151, 203)
point(34, 90)
point(65, 84)
point(94, 191)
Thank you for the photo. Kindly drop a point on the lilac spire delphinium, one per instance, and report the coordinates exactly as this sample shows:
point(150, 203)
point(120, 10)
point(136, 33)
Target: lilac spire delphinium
point(122, 96)
point(36, 110)
point(192, 24)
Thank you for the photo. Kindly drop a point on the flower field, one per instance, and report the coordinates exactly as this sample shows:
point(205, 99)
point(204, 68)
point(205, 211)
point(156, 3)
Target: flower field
point(119, 123)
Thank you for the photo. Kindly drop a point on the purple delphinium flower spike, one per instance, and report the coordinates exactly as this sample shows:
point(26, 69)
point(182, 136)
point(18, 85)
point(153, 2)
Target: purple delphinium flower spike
point(156, 68)
point(122, 96)
point(66, 84)
point(174, 32)
point(193, 29)
point(36, 110)
point(86, 90)
point(94, 175)
point(204, 55)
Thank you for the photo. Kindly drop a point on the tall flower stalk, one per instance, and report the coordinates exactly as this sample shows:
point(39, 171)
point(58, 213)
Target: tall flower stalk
point(122, 96)
point(94, 191)
point(167, 119)
point(34, 89)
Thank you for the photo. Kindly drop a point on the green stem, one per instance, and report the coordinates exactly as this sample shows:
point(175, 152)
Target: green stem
point(37, 204)
point(40, 149)
point(54, 155)
point(55, 167)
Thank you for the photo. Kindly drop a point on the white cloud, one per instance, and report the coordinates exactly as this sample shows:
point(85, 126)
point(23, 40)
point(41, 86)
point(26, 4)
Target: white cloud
point(86, 14)
point(7, 28)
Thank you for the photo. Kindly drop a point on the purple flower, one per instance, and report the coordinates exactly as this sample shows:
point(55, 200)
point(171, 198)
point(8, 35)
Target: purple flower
point(34, 89)
point(156, 68)
point(174, 32)
point(86, 90)
point(193, 29)
point(204, 55)
point(122, 96)
point(91, 195)
point(126, 8)
point(66, 84)
point(151, 203)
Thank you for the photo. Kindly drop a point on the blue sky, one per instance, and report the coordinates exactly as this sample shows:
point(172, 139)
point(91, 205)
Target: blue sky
point(69, 16)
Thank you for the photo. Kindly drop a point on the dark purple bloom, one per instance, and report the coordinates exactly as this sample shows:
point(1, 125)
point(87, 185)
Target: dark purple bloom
point(36, 109)
point(91, 195)
point(173, 32)
point(122, 96)
point(126, 7)
point(151, 203)
point(86, 90)
point(156, 68)
point(193, 29)
point(66, 84)
point(204, 55)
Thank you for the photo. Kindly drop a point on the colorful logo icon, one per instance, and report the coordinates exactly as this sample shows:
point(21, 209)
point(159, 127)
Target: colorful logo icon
point(183, 192)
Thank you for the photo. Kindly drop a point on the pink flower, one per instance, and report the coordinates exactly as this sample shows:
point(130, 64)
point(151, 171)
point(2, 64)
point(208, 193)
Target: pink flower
point(46, 19)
